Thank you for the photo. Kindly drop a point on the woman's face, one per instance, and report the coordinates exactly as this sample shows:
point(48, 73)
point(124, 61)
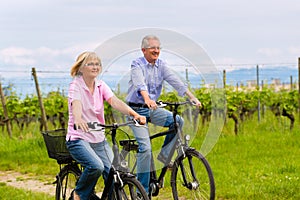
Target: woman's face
point(91, 69)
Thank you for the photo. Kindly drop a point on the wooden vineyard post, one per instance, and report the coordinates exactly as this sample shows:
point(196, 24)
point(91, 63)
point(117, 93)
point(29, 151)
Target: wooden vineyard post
point(7, 121)
point(224, 78)
point(258, 89)
point(291, 83)
point(44, 119)
point(299, 87)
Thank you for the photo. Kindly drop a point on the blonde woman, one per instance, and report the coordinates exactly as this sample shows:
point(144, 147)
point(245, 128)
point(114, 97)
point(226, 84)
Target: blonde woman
point(85, 100)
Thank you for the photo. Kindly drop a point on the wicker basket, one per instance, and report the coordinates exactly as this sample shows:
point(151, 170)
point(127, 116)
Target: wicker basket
point(56, 145)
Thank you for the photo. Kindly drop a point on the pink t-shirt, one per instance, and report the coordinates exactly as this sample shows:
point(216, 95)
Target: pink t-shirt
point(92, 108)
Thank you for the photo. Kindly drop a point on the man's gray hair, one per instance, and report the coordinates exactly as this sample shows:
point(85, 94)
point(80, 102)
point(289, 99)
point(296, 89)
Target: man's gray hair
point(145, 41)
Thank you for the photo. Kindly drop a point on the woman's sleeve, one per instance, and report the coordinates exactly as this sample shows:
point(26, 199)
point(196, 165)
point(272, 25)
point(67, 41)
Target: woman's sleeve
point(74, 92)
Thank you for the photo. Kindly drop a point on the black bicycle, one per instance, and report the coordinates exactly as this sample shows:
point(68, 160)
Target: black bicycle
point(120, 181)
point(191, 176)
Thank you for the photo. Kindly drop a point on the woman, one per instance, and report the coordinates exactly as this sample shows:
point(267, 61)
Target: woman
point(85, 100)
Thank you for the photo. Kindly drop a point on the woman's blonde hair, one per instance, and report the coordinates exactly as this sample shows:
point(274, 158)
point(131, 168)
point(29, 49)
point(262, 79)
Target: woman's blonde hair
point(81, 60)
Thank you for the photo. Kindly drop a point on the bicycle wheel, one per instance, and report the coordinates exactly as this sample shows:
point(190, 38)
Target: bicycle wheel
point(131, 189)
point(192, 177)
point(66, 181)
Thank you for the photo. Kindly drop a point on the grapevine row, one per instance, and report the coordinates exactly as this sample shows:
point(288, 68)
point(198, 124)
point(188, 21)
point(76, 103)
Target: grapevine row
point(240, 104)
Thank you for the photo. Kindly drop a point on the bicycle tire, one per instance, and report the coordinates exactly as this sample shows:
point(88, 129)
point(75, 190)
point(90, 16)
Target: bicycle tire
point(66, 181)
point(129, 190)
point(199, 182)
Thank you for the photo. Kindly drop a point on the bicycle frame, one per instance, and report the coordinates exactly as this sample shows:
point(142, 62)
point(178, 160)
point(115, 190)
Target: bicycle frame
point(154, 181)
point(114, 176)
point(117, 172)
point(190, 172)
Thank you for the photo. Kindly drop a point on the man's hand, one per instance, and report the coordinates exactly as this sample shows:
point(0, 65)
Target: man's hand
point(151, 104)
point(193, 99)
point(196, 102)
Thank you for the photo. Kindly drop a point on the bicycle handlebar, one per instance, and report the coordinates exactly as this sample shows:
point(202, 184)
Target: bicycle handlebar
point(163, 103)
point(96, 126)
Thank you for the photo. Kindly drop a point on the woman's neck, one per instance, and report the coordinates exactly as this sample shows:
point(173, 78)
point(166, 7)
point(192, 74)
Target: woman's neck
point(90, 83)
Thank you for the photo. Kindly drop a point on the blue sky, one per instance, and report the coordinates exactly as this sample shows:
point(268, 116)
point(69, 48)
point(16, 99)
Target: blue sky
point(49, 34)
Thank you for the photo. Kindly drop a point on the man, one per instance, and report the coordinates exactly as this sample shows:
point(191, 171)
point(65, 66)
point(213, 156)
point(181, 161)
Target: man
point(145, 85)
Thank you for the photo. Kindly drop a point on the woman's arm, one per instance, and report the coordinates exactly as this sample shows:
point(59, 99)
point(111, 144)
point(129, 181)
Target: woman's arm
point(77, 114)
point(119, 105)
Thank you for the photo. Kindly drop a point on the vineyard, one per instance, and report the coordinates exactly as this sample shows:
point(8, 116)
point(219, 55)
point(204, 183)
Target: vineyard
point(241, 104)
point(251, 160)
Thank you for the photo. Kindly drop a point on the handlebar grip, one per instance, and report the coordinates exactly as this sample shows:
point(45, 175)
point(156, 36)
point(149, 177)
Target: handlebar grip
point(91, 125)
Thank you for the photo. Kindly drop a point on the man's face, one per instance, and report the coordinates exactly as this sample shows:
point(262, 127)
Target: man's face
point(151, 53)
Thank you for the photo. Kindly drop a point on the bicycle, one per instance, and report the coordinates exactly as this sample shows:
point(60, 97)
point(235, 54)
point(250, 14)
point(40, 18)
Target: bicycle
point(191, 175)
point(123, 183)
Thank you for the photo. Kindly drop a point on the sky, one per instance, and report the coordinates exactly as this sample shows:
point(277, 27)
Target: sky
point(50, 34)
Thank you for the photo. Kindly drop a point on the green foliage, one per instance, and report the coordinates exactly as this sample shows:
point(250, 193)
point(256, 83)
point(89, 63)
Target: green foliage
point(237, 101)
point(260, 163)
point(204, 96)
point(284, 99)
point(11, 193)
point(57, 101)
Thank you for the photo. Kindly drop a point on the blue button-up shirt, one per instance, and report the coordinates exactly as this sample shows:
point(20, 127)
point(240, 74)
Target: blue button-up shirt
point(145, 76)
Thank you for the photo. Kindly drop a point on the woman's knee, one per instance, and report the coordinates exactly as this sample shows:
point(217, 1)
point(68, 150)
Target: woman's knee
point(95, 170)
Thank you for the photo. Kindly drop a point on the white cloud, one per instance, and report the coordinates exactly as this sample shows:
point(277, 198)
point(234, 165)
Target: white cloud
point(232, 30)
point(17, 55)
point(16, 51)
point(270, 52)
point(42, 56)
point(295, 51)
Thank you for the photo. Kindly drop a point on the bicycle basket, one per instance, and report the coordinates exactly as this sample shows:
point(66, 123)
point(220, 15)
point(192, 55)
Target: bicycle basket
point(56, 145)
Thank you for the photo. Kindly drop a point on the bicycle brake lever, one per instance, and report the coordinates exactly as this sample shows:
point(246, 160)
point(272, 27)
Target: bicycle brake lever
point(193, 103)
point(94, 126)
point(160, 104)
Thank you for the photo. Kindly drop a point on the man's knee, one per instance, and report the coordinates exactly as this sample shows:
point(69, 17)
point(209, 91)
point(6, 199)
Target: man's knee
point(179, 120)
point(144, 147)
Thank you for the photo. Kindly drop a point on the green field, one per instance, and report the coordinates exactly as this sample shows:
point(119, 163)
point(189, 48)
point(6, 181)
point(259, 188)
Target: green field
point(261, 162)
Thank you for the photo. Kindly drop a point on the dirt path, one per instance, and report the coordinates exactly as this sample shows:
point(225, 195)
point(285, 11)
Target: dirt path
point(26, 182)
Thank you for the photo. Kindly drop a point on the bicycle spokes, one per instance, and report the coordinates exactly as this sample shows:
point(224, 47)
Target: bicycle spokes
point(192, 177)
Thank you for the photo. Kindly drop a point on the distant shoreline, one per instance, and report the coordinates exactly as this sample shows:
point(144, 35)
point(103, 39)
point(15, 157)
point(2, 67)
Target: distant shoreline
point(279, 77)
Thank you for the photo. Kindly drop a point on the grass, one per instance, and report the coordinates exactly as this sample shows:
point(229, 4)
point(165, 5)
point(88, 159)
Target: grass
point(26, 153)
point(11, 193)
point(257, 167)
point(261, 162)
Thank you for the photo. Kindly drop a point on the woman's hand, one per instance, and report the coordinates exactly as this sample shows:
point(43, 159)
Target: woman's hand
point(141, 119)
point(81, 124)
